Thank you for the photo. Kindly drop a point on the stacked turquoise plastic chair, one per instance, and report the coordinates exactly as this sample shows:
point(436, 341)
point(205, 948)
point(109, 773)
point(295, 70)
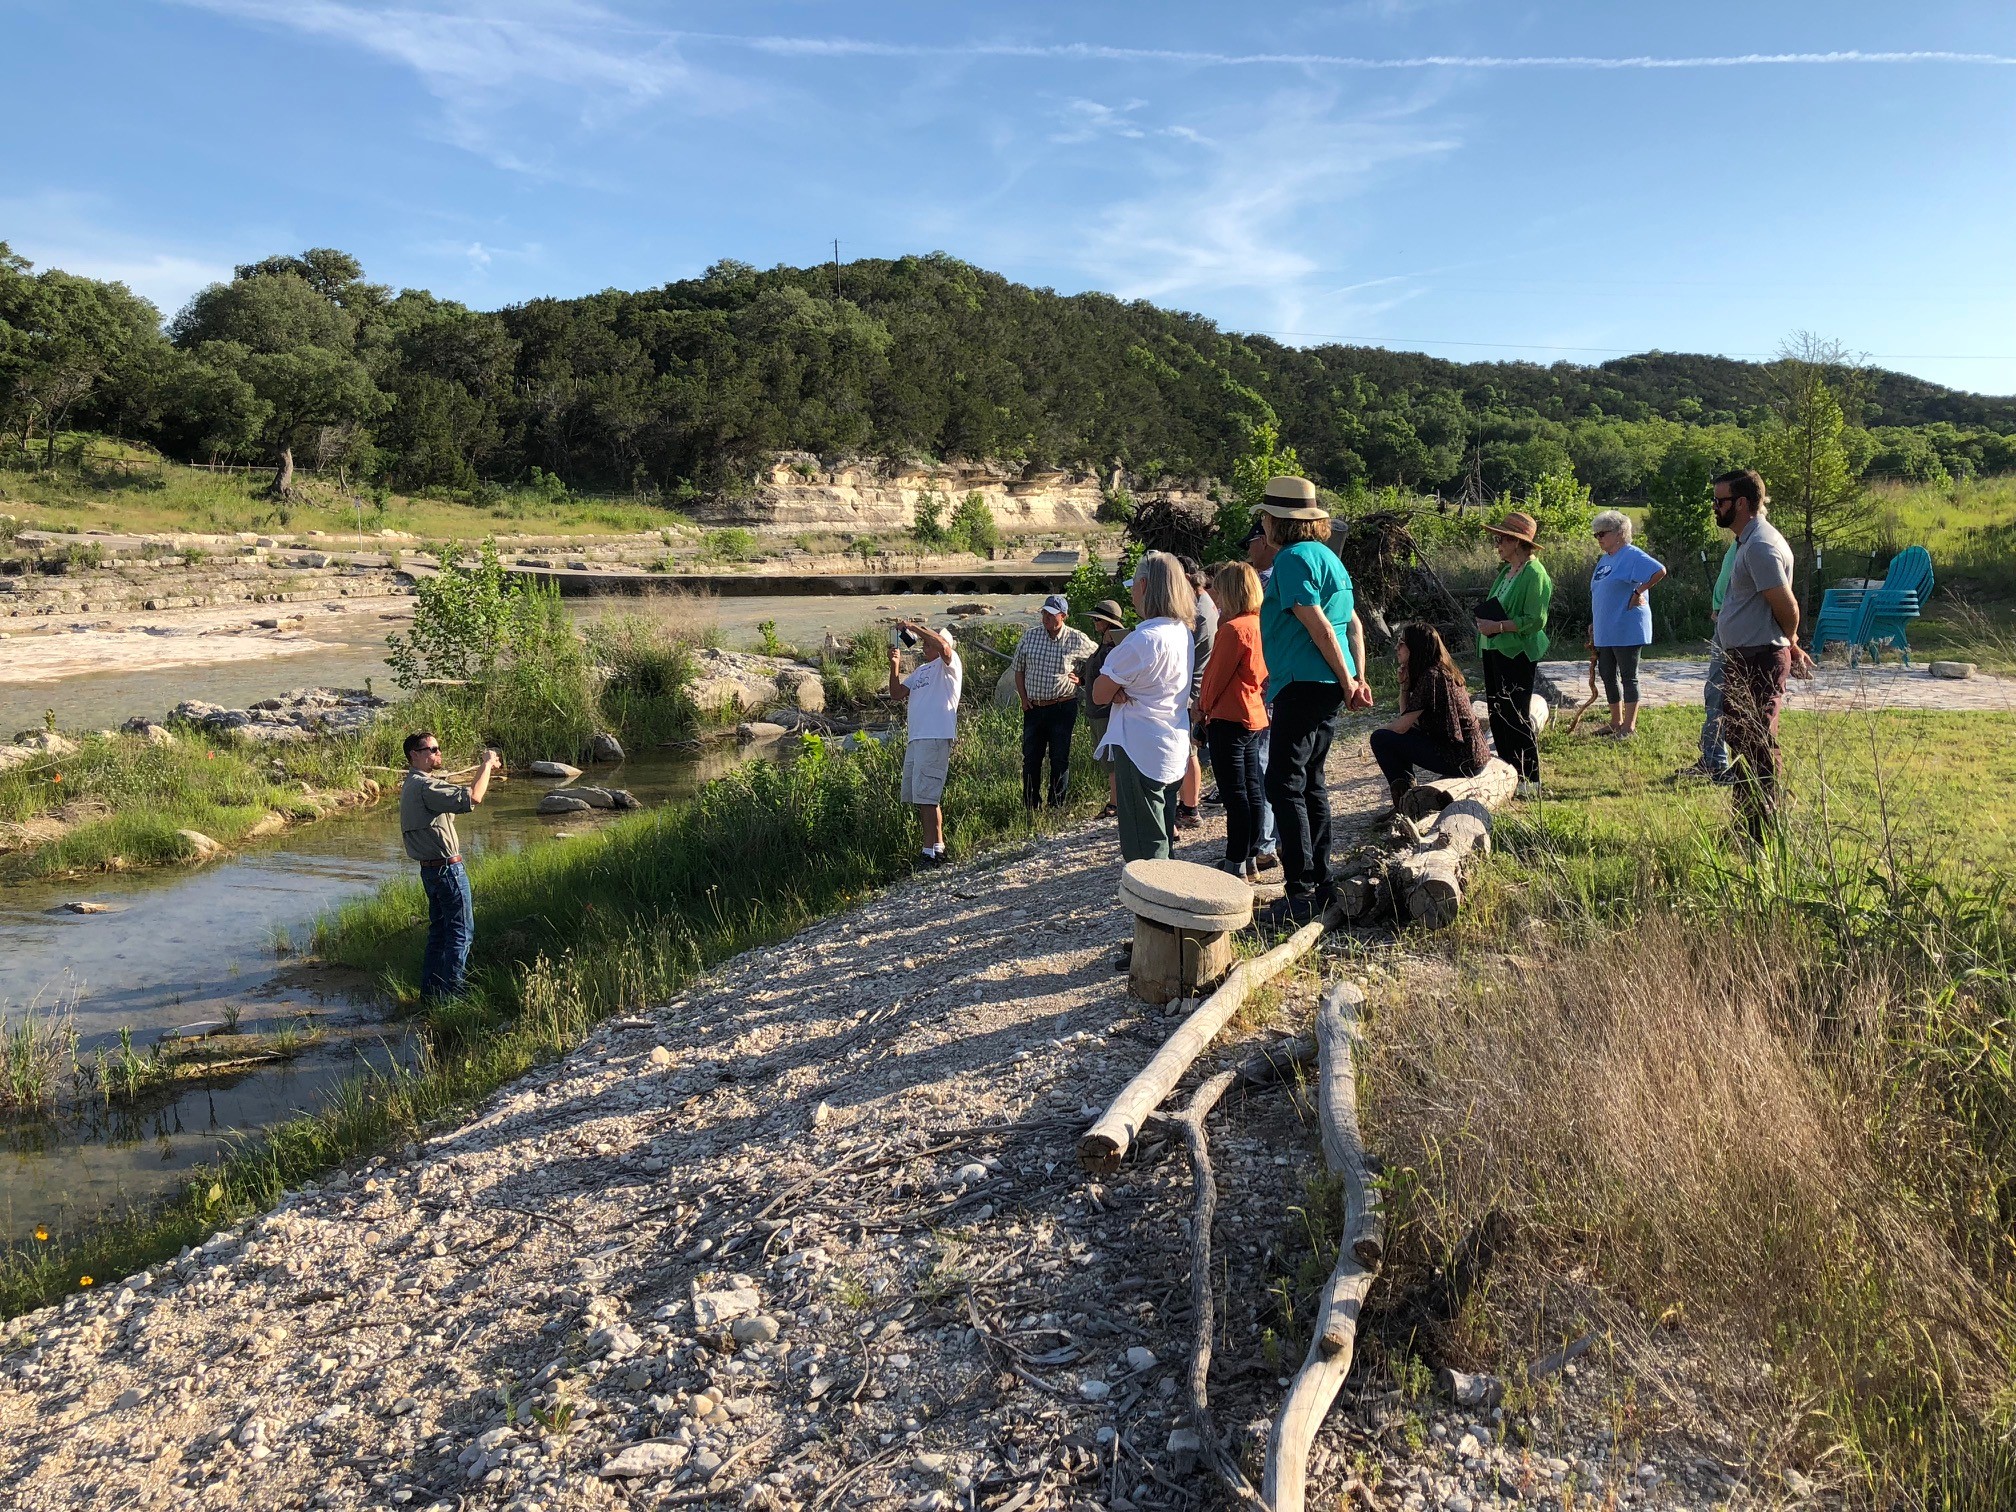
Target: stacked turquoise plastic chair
point(1844, 616)
point(1866, 618)
point(1901, 599)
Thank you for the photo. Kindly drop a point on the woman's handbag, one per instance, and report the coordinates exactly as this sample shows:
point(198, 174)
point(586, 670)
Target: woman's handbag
point(1490, 609)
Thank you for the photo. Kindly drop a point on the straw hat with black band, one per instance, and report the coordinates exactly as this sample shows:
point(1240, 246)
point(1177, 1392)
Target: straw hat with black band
point(1292, 499)
point(1107, 612)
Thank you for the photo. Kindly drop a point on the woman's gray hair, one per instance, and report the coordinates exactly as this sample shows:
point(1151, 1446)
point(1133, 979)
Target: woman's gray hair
point(1613, 519)
point(1165, 589)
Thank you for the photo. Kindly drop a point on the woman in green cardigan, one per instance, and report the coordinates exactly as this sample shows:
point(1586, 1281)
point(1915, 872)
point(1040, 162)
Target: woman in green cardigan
point(1514, 644)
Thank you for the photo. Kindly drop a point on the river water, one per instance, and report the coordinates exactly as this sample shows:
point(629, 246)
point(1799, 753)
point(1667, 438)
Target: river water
point(180, 947)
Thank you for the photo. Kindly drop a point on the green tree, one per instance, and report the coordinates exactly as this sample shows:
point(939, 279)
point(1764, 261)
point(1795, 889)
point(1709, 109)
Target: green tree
point(1680, 520)
point(289, 328)
point(929, 529)
point(1265, 457)
point(972, 528)
point(1802, 452)
point(61, 336)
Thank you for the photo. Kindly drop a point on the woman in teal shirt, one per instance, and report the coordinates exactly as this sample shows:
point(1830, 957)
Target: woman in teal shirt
point(1513, 640)
point(1314, 647)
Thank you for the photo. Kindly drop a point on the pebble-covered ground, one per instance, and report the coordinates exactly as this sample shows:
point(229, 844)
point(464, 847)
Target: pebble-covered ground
point(812, 1235)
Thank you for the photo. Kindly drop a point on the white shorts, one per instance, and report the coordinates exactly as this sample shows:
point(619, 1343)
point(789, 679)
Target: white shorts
point(925, 764)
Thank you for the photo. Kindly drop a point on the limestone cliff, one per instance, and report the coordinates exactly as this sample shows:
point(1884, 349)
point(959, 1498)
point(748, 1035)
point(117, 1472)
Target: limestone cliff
point(802, 492)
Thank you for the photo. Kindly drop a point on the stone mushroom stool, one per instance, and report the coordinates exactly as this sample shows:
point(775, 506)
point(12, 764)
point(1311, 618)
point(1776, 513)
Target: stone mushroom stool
point(1184, 915)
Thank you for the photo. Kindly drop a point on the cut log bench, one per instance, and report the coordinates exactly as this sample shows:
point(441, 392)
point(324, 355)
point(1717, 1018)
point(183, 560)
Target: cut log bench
point(1184, 917)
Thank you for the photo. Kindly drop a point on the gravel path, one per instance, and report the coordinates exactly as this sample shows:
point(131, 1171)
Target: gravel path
point(811, 1235)
point(1830, 690)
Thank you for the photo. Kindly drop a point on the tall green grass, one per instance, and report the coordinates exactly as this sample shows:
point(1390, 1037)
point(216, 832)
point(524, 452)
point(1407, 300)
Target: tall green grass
point(1868, 951)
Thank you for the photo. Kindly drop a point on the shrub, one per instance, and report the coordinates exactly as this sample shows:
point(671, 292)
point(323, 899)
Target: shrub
point(731, 545)
point(973, 526)
point(929, 530)
point(511, 643)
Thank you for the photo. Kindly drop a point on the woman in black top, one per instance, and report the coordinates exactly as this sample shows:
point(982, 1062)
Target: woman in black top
point(1435, 729)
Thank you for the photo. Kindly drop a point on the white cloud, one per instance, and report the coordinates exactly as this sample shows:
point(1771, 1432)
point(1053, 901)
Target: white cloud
point(62, 230)
point(1099, 52)
point(1257, 214)
point(484, 58)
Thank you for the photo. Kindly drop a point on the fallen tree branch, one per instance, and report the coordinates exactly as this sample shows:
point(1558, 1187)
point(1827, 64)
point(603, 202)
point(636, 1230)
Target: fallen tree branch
point(1323, 1370)
point(1102, 1146)
point(1203, 1209)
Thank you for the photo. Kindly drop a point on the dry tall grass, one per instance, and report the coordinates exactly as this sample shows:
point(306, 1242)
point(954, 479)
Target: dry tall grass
point(1712, 1128)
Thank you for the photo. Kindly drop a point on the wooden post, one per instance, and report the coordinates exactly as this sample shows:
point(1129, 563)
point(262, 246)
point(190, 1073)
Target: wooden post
point(1323, 1370)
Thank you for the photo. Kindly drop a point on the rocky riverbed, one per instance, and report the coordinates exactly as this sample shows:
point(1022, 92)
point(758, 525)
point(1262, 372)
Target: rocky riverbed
point(811, 1235)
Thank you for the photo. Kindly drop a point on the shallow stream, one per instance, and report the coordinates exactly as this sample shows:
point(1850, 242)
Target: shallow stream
point(182, 947)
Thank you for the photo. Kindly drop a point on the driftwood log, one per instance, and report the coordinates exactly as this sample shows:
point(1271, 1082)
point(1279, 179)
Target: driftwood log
point(1492, 787)
point(1423, 881)
point(1428, 876)
point(1101, 1147)
point(1323, 1370)
point(1203, 1210)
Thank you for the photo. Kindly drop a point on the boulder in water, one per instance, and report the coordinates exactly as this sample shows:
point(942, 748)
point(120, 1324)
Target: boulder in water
point(558, 769)
point(605, 748)
point(562, 803)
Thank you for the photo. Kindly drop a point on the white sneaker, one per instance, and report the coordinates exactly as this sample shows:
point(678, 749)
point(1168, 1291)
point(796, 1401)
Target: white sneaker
point(1528, 788)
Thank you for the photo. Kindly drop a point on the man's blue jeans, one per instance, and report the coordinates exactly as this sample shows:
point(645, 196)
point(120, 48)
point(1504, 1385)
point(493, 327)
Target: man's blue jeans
point(1714, 757)
point(451, 928)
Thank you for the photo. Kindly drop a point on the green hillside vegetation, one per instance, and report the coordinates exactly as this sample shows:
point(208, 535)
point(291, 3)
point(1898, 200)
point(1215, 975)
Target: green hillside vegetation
point(692, 387)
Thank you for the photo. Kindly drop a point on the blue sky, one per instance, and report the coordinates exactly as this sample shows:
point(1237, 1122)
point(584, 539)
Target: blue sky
point(1472, 178)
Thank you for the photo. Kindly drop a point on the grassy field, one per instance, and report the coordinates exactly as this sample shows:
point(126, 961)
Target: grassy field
point(119, 487)
point(1757, 1108)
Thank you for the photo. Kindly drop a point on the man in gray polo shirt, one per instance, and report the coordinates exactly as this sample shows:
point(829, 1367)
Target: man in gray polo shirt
point(1758, 631)
point(427, 808)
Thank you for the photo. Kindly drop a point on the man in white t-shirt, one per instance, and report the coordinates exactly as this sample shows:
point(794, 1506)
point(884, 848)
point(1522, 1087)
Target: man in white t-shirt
point(931, 694)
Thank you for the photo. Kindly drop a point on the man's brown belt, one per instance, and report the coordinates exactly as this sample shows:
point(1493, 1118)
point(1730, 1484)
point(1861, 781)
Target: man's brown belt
point(451, 861)
point(1051, 703)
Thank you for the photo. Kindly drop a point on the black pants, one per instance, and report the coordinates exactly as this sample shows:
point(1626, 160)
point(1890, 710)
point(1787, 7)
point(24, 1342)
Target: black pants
point(1508, 694)
point(1619, 666)
point(1398, 752)
point(1242, 783)
point(1305, 722)
point(1047, 731)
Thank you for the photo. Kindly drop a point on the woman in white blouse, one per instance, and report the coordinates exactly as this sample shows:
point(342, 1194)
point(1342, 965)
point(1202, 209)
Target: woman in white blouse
point(1146, 679)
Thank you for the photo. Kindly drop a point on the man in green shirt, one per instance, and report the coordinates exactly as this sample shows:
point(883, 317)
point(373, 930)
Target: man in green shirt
point(428, 805)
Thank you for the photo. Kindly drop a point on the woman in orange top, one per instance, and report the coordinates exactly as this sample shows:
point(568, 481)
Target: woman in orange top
point(1236, 717)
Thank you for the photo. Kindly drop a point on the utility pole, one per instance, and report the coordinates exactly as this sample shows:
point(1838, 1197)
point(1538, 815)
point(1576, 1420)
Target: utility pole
point(836, 270)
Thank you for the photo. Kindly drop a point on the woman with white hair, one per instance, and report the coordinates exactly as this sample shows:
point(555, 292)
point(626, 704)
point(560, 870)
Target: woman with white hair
point(1620, 618)
point(1146, 681)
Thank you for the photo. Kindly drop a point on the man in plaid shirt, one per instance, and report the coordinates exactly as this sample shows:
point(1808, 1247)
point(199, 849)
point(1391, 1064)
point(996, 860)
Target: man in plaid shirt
point(1045, 669)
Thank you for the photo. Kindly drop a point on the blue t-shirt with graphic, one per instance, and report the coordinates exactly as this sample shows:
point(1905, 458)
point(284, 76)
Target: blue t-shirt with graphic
point(1617, 576)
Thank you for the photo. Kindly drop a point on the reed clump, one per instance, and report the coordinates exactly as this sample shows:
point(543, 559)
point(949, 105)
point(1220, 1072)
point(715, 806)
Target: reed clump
point(1762, 1097)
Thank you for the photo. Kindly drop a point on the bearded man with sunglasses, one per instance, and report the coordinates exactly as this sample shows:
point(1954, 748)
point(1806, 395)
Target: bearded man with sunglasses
point(428, 805)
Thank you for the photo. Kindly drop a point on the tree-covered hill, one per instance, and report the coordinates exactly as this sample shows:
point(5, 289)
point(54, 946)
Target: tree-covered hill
point(690, 387)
